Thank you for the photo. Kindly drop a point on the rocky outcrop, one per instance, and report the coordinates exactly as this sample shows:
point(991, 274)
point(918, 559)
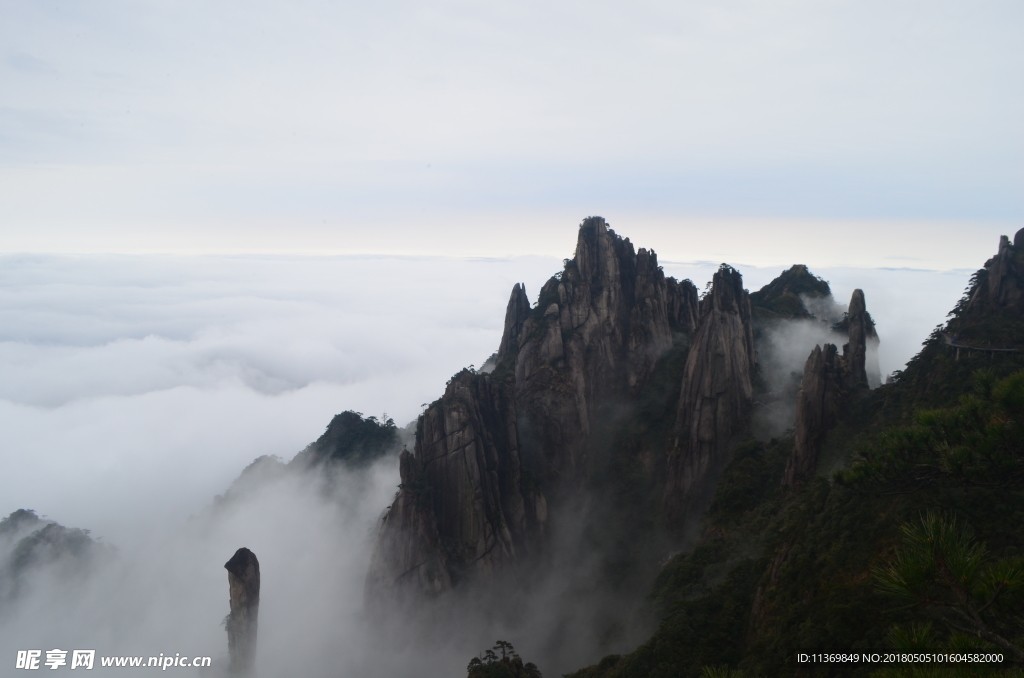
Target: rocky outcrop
point(242, 623)
point(827, 383)
point(717, 391)
point(407, 558)
point(29, 544)
point(515, 317)
point(683, 306)
point(1002, 285)
point(351, 440)
point(594, 338)
point(463, 508)
point(788, 295)
point(821, 394)
point(861, 352)
point(492, 451)
point(650, 334)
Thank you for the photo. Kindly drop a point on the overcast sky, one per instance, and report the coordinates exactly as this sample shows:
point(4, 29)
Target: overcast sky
point(480, 128)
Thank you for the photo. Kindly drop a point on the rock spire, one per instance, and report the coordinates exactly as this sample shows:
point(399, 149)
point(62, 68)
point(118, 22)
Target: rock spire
point(1002, 286)
point(861, 351)
point(244, 588)
point(717, 391)
point(827, 384)
point(821, 394)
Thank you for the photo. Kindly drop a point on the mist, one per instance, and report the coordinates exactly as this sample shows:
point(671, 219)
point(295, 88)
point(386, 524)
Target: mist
point(167, 592)
point(137, 388)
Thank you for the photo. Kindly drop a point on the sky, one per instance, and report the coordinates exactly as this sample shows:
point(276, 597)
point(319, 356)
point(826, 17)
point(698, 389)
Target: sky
point(479, 128)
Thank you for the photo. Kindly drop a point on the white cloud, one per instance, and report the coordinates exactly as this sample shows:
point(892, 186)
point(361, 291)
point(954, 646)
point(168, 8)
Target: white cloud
point(137, 387)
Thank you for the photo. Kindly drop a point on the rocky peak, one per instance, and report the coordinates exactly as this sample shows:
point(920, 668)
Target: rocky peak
point(827, 383)
point(683, 305)
point(1002, 284)
point(462, 508)
point(716, 393)
point(861, 352)
point(785, 295)
point(597, 331)
point(352, 440)
point(650, 334)
point(821, 395)
point(516, 313)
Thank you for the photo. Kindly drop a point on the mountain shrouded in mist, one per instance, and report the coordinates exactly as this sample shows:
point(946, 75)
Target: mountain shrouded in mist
point(610, 338)
point(651, 479)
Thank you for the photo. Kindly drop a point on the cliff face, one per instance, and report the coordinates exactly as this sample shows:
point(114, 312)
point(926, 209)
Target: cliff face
point(717, 390)
point(494, 448)
point(595, 337)
point(683, 306)
point(568, 375)
point(817, 410)
point(462, 509)
point(516, 313)
point(1003, 284)
point(573, 373)
point(861, 353)
point(407, 558)
point(827, 383)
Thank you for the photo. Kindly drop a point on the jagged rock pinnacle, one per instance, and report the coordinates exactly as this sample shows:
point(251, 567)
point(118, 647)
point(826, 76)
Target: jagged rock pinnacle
point(817, 411)
point(717, 390)
point(861, 354)
point(244, 586)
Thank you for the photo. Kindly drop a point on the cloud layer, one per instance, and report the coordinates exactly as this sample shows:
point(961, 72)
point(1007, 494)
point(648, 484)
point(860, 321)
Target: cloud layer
point(136, 388)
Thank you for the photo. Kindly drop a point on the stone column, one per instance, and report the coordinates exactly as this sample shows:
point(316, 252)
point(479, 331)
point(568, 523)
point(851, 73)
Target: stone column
point(244, 585)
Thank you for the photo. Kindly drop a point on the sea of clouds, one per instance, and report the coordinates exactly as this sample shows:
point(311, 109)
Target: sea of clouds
point(136, 388)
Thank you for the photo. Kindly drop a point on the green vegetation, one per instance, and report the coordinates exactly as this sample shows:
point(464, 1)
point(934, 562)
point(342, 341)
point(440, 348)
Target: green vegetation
point(978, 443)
point(915, 543)
point(353, 440)
point(782, 296)
point(31, 543)
point(501, 661)
point(942, 568)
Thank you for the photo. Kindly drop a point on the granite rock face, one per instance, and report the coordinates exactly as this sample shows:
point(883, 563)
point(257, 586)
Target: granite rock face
point(492, 452)
point(828, 381)
point(244, 593)
point(462, 509)
point(717, 391)
point(407, 558)
point(821, 395)
point(498, 448)
point(597, 332)
point(1003, 285)
point(683, 306)
point(861, 352)
point(515, 317)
